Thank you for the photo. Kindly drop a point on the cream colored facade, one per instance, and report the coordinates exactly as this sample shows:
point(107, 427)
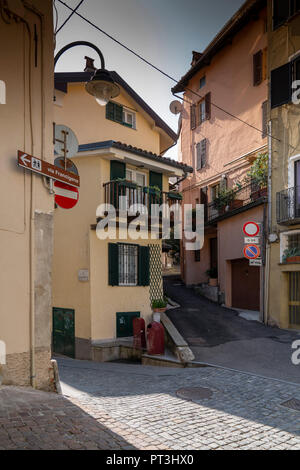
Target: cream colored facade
point(76, 246)
point(284, 225)
point(26, 75)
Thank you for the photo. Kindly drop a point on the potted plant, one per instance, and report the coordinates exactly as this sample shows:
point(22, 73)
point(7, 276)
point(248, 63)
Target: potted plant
point(213, 276)
point(224, 199)
point(158, 306)
point(291, 255)
point(258, 176)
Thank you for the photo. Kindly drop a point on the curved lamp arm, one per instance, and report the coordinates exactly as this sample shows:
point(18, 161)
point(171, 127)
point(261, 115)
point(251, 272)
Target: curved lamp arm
point(80, 43)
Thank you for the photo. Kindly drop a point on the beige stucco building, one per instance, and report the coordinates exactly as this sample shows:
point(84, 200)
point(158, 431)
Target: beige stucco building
point(26, 95)
point(101, 285)
point(223, 131)
point(283, 300)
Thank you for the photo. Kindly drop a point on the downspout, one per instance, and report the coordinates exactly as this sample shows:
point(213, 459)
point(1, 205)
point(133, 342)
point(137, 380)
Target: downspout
point(267, 264)
point(32, 202)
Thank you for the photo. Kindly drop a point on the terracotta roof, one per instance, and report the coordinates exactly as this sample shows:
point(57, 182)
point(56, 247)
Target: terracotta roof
point(248, 11)
point(61, 80)
point(136, 151)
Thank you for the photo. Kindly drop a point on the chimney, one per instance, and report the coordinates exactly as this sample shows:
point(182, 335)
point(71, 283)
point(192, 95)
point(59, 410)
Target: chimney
point(89, 65)
point(196, 57)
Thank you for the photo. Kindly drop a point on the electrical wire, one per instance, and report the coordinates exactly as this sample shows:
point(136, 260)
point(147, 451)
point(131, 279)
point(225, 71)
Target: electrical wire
point(73, 11)
point(164, 73)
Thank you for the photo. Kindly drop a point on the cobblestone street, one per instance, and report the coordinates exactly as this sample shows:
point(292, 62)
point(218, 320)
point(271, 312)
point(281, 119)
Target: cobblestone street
point(126, 406)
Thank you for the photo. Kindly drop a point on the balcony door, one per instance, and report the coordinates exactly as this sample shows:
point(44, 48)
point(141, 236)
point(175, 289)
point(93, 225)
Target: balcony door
point(136, 195)
point(297, 188)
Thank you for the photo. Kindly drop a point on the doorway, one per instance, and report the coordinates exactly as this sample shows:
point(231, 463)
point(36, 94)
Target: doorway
point(63, 338)
point(245, 285)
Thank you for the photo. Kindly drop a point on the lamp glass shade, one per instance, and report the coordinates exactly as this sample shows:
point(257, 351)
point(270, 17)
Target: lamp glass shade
point(102, 87)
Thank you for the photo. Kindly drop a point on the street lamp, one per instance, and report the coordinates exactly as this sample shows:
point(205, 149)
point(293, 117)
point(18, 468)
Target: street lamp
point(101, 85)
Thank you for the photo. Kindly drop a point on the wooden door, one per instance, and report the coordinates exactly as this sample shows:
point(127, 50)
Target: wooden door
point(245, 285)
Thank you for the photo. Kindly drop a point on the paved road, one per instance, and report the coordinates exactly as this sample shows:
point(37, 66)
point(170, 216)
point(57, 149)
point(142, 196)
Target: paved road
point(219, 336)
point(129, 406)
point(140, 404)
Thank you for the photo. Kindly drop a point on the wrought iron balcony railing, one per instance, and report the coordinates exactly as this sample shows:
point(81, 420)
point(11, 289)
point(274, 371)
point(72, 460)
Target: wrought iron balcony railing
point(288, 206)
point(134, 195)
point(242, 197)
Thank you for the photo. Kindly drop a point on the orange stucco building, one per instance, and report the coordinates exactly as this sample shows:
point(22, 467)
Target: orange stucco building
point(223, 130)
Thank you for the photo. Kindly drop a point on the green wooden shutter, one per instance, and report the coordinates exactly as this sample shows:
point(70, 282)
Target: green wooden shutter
point(113, 264)
point(203, 152)
point(155, 179)
point(119, 113)
point(198, 156)
point(144, 266)
point(114, 112)
point(110, 111)
point(117, 170)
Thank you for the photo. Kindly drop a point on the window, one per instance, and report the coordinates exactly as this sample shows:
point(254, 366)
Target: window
point(128, 255)
point(294, 241)
point(117, 113)
point(197, 256)
point(129, 118)
point(201, 154)
point(264, 119)
point(214, 191)
point(259, 67)
point(204, 109)
point(138, 177)
point(128, 265)
point(202, 82)
point(281, 82)
point(283, 10)
point(202, 112)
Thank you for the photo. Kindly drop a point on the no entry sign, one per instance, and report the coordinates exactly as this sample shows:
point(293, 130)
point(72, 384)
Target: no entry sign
point(66, 196)
point(251, 251)
point(251, 229)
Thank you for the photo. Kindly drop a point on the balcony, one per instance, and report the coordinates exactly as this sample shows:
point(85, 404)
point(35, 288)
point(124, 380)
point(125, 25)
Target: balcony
point(242, 199)
point(288, 206)
point(137, 195)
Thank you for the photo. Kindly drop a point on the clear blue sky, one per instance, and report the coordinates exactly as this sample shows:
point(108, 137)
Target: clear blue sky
point(165, 32)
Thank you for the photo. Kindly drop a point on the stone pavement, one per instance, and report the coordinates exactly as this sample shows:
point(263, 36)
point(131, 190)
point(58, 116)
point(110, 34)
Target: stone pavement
point(218, 336)
point(129, 406)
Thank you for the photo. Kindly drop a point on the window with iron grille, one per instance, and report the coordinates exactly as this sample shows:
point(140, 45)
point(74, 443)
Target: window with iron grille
point(294, 241)
point(128, 265)
point(294, 298)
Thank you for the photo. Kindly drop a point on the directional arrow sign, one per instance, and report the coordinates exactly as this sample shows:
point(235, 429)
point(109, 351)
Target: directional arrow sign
point(46, 169)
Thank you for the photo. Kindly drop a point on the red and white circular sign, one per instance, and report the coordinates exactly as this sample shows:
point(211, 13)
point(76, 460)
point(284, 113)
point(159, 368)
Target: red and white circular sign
point(66, 196)
point(251, 229)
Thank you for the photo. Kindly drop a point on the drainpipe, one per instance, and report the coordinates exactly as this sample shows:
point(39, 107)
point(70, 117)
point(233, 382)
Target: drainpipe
point(268, 231)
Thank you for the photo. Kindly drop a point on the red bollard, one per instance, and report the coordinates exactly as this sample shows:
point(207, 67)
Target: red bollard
point(139, 335)
point(155, 338)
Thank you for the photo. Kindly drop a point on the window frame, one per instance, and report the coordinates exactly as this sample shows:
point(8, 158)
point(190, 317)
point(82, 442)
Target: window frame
point(201, 84)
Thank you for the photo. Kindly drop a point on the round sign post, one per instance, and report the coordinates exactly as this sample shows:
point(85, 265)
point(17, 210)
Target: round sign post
point(251, 229)
point(251, 251)
point(66, 196)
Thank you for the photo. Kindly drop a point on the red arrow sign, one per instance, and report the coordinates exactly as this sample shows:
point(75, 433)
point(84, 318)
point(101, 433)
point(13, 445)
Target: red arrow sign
point(66, 196)
point(46, 169)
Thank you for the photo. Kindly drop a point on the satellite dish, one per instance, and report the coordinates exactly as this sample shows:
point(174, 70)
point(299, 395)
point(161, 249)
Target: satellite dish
point(175, 107)
point(65, 141)
point(70, 166)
